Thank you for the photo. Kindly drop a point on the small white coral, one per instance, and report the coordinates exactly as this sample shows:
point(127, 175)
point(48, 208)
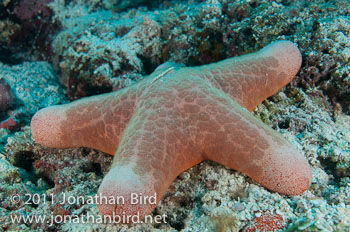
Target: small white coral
point(5, 165)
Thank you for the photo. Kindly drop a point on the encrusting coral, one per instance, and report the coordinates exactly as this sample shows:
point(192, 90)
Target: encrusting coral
point(7, 101)
point(178, 117)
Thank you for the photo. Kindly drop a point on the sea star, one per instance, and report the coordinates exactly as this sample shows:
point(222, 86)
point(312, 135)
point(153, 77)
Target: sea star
point(176, 118)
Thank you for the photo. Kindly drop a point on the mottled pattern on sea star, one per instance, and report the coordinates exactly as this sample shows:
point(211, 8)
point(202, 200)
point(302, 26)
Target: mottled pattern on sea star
point(178, 117)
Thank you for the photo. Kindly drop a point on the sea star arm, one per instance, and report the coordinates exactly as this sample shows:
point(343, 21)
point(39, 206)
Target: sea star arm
point(96, 122)
point(251, 78)
point(240, 141)
point(156, 147)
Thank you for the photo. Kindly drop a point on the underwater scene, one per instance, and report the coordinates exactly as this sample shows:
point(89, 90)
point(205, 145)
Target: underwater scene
point(165, 115)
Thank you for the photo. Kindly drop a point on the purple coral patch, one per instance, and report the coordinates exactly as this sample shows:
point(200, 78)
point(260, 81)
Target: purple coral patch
point(7, 97)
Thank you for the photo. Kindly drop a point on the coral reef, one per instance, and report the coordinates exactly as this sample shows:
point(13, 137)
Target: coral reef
point(38, 172)
point(24, 80)
point(27, 10)
point(27, 30)
point(312, 112)
point(89, 69)
point(198, 34)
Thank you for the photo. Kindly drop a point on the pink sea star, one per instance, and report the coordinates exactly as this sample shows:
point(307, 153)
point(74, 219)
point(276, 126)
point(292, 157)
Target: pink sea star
point(178, 117)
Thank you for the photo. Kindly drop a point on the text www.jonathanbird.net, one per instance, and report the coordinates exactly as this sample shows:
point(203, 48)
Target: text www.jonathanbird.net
point(86, 218)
